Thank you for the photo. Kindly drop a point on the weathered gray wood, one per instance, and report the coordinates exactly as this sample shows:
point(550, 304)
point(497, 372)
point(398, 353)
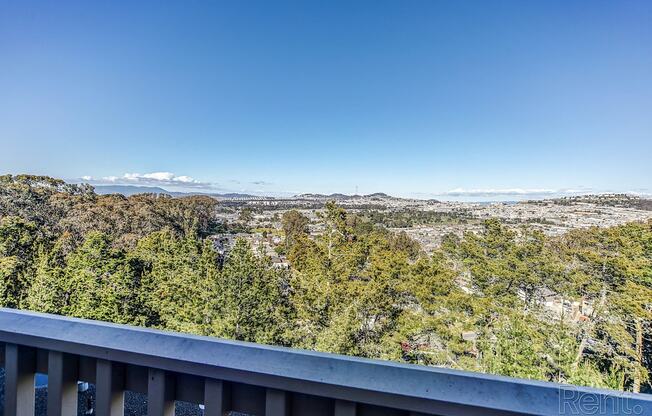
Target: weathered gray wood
point(217, 397)
point(62, 384)
point(344, 408)
point(276, 403)
point(109, 388)
point(160, 393)
point(20, 370)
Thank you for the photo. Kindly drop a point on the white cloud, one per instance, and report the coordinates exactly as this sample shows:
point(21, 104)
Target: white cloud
point(153, 179)
point(184, 183)
point(166, 177)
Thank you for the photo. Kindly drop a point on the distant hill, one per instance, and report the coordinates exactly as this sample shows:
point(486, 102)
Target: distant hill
point(128, 190)
point(610, 200)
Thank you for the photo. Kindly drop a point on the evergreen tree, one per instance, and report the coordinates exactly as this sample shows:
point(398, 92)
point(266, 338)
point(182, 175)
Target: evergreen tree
point(18, 240)
point(249, 298)
point(97, 281)
point(47, 291)
point(176, 277)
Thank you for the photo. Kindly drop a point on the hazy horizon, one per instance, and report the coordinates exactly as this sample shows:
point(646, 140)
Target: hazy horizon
point(506, 195)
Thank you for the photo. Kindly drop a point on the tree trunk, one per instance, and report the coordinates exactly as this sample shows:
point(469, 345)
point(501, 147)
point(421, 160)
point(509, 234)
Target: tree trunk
point(580, 352)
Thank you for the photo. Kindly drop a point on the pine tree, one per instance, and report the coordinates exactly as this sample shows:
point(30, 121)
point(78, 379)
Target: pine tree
point(250, 302)
point(46, 292)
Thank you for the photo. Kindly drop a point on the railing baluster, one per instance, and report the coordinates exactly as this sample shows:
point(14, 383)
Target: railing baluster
point(344, 408)
point(217, 397)
point(160, 393)
point(276, 403)
point(20, 370)
point(62, 384)
point(109, 387)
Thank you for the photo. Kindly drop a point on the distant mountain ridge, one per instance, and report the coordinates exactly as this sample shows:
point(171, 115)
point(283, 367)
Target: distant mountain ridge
point(128, 190)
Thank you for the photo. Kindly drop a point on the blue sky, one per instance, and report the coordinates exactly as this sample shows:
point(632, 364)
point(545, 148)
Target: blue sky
point(414, 98)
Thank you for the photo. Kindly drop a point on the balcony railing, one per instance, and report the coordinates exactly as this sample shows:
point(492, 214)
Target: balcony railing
point(257, 379)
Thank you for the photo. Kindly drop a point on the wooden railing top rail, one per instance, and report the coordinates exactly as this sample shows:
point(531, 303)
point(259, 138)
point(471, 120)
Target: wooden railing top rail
point(394, 385)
